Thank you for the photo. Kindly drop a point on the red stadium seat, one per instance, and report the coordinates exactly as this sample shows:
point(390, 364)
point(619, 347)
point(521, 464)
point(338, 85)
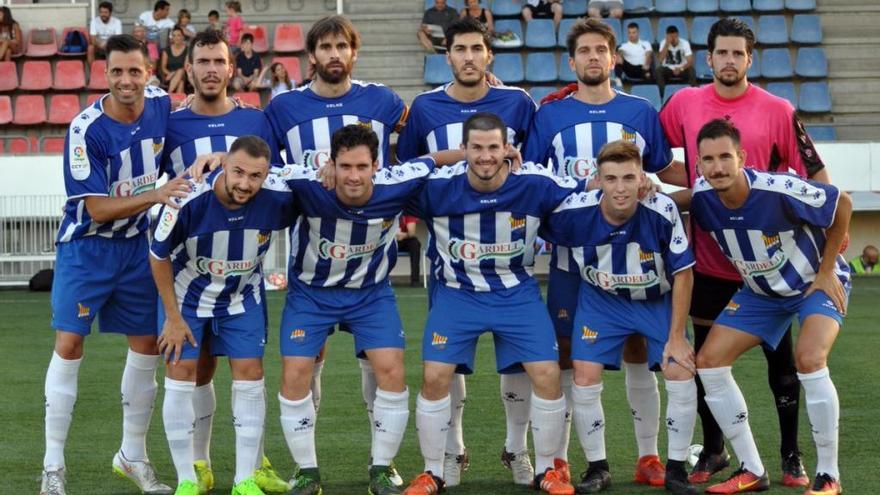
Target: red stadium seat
point(81, 29)
point(18, 145)
point(69, 75)
point(261, 40)
point(36, 75)
point(93, 97)
point(53, 145)
point(288, 38)
point(177, 98)
point(250, 98)
point(29, 110)
point(292, 66)
point(97, 76)
point(63, 108)
point(8, 76)
point(5, 109)
point(39, 49)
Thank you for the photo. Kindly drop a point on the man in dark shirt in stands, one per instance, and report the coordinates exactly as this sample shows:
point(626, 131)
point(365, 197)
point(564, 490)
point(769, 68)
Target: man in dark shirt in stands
point(434, 24)
point(248, 66)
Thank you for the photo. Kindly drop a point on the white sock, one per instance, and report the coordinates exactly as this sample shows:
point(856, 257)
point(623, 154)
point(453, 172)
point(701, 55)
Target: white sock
point(644, 402)
point(589, 420)
point(368, 391)
point(316, 384)
point(516, 390)
point(60, 390)
point(728, 406)
point(823, 409)
point(204, 405)
point(548, 420)
point(178, 416)
point(298, 424)
point(458, 396)
point(138, 395)
point(681, 416)
point(432, 425)
point(248, 419)
point(566, 380)
point(390, 414)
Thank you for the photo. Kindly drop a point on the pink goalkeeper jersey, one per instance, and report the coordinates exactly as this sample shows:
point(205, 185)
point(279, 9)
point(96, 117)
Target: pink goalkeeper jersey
point(772, 136)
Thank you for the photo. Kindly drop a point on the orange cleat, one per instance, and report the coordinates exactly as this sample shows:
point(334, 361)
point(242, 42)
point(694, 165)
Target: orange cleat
point(561, 467)
point(793, 473)
point(650, 471)
point(824, 485)
point(424, 484)
point(707, 465)
point(742, 481)
point(555, 482)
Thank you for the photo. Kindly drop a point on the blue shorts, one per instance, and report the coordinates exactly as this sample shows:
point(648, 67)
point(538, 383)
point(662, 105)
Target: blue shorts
point(768, 318)
point(310, 313)
point(562, 299)
point(517, 318)
point(108, 278)
point(241, 336)
point(604, 321)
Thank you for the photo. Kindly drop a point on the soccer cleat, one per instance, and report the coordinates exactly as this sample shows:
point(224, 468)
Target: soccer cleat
point(247, 486)
point(424, 484)
point(707, 465)
point(187, 487)
point(595, 479)
point(204, 476)
point(453, 466)
point(650, 471)
point(380, 481)
point(824, 485)
point(555, 482)
point(141, 473)
point(53, 483)
point(307, 481)
point(520, 465)
point(395, 476)
point(793, 473)
point(268, 480)
point(741, 481)
point(676, 480)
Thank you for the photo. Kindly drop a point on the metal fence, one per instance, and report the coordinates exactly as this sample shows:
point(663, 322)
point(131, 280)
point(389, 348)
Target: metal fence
point(28, 225)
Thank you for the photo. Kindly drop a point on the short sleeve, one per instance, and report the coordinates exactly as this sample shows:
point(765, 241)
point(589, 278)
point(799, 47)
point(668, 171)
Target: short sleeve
point(269, 136)
point(93, 28)
point(810, 202)
point(659, 154)
point(798, 150)
point(409, 140)
point(670, 121)
point(84, 165)
point(535, 147)
point(686, 48)
point(560, 226)
point(679, 256)
point(168, 232)
point(557, 189)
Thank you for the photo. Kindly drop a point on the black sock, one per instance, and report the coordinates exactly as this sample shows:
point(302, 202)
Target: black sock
point(782, 375)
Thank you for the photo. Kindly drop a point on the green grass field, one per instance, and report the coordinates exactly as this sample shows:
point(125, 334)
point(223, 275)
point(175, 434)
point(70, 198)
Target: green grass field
point(343, 436)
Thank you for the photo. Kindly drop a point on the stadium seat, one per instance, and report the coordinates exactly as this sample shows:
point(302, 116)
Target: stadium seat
point(176, 98)
point(806, 29)
point(783, 90)
point(63, 108)
point(261, 39)
point(811, 62)
point(746, 19)
point(97, 76)
point(566, 75)
point(47, 49)
point(292, 66)
point(638, 6)
point(562, 33)
point(288, 38)
point(670, 6)
point(755, 70)
point(702, 6)
point(800, 5)
point(735, 6)
point(671, 89)
point(616, 26)
point(36, 75)
point(29, 110)
point(437, 71)
point(645, 31)
point(92, 98)
point(5, 109)
point(665, 22)
point(507, 8)
point(508, 67)
point(69, 75)
point(250, 98)
point(814, 97)
point(777, 63)
point(514, 26)
point(539, 92)
point(540, 67)
point(822, 132)
point(772, 30)
point(18, 145)
point(540, 33)
point(8, 76)
point(768, 5)
point(53, 145)
point(700, 30)
point(81, 29)
point(701, 66)
point(574, 8)
point(649, 92)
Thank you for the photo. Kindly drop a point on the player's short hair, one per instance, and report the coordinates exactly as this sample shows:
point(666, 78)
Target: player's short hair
point(334, 24)
point(729, 26)
point(719, 128)
point(632, 25)
point(246, 37)
point(206, 38)
point(671, 29)
point(620, 151)
point(465, 26)
point(106, 5)
point(253, 146)
point(127, 43)
point(236, 6)
point(586, 26)
point(161, 4)
point(352, 136)
point(483, 121)
point(213, 13)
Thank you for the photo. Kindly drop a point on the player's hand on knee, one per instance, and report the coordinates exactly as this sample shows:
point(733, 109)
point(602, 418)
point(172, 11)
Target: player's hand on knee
point(172, 191)
point(175, 332)
point(205, 164)
point(679, 350)
point(828, 283)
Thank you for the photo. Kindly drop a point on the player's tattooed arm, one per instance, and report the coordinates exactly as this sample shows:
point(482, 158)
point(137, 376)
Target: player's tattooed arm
point(677, 348)
point(104, 209)
point(175, 330)
point(826, 280)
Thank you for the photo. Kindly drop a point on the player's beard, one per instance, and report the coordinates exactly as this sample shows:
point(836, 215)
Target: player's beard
point(730, 80)
point(330, 77)
point(209, 97)
point(230, 193)
point(588, 80)
point(469, 83)
point(487, 178)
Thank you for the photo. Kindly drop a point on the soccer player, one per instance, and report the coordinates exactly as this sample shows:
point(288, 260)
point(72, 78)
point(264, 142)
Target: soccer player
point(570, 132)
point(783, 234)
point(206, 262)
point(774, 140)
point(435, 122)
point(483, 222)
point(210, 124)
point(635, 268)
point(110, 170)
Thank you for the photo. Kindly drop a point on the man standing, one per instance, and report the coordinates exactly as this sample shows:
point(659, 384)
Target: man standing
point(102, 27)
point(676, 60)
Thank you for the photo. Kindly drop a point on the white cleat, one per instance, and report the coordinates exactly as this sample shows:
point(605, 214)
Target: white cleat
point(141, 473)
point(520, 465)
point(53, 483)
point(453, 466)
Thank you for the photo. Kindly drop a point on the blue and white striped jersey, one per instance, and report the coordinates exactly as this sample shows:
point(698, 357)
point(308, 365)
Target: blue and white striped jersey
point(486, 241)
point(190, 135)
point(436, 119)
point(635, 260)
point(104, 157)
point(776, 239)
point(335, 245)
point(304, 122)
point(216, 252)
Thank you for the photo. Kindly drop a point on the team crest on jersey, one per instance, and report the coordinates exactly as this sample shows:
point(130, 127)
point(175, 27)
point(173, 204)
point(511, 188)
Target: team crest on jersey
point(628, 136)
point(298, 334)
point(461, 250)
point(224, 268)
point(387, 223)
point(337, 251)
point(614, 281)
point(580, 168)
point(82, 311)
point(588, 334)
point(771, 240)
point(134, 186)
point(763, 267)
point(367, 125)
point(646, 257)
point(315, 158)
point(263, 237)
point(158, 144)
point(517, 223)
point(438, 341)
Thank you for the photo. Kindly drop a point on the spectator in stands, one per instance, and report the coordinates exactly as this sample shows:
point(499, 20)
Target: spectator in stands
point(277, 79)
point(605, 8)
point(543, 9)
point(676, 60)
point(173, 61)
point(635, 57)
point(434, 23)
point(140, 33)
point(10, 35)
point(234, 24)
point(214, 21)
point(156, 21)
point(102, 27)
point(184, 21)
point(866, 264)
point(409, 243)
point(472, 8)
point(248, 66)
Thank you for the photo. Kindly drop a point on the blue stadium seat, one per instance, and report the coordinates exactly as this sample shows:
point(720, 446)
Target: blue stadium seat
point(783, 90)
point(801, 5)
point(772, 30)
point(616, 26)
point(437, 71)
point(702, 6)
point(777, 63)
point(508, 67)
point(638, 6)
point(701, 67)
point(539, 92)
point(700, 30)
point(806, 29)
point(822, 132)
point(811, 62)
point(574, 8)
point(755, 70)
point(814, 97)
point(540, 33)
point(564, 28)
point(768, 5)
point(746, 19)
point(735, 6)
point(645, 31)
point(507, 8)
point(671, 89)
point(670, 6)
point(541, 67)
point(678, 22)
point(649, 92)
point(566, 75)
point(513, 25)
